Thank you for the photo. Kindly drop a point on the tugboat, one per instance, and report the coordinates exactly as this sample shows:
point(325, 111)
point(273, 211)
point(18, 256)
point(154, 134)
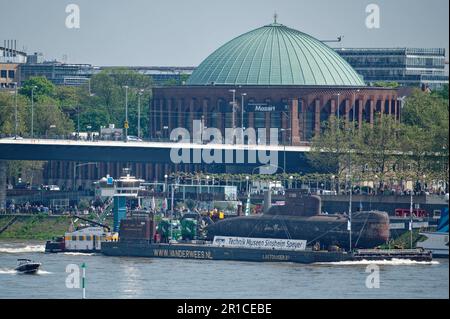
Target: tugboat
point(87, 239)
point(27, 266)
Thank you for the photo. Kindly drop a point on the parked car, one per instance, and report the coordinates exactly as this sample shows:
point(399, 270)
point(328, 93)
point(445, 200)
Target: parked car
point(132, 138)
point(51, 188)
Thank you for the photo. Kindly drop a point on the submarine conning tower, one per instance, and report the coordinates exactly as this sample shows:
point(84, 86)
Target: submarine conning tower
point(298, 204)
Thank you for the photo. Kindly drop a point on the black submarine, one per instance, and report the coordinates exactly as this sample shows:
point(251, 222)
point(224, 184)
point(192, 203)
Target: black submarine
point(301, 218)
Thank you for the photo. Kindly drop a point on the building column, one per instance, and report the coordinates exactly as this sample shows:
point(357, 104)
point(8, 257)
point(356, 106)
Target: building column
point(390, 105)
point(317, 107)
point(372, 110)
point(301, 118)
point(295, 128)
point(395, 109)
point(333, 107)
point(347, 112)
point(361, 104)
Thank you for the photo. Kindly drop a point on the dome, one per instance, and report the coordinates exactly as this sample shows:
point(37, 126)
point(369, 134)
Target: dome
point(275, 55)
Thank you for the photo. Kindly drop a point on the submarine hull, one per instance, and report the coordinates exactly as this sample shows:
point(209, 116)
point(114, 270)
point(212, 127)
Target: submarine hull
point(369, 229)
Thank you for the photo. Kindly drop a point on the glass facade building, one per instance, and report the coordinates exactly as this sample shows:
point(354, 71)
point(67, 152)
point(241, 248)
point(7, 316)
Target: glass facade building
point(57, 73)
point(406, 66)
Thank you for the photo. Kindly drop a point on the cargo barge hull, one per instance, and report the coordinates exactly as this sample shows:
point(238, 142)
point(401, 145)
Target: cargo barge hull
point(208, 252)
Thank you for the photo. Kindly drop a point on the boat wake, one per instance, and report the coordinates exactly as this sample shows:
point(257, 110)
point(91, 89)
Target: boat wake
point(6, 271)
point(25, 249)
point(10, 271)
point(78, 254)
point(393, 262)
point(43, 272)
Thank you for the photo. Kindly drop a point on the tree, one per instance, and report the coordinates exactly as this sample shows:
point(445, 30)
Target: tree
point(332, 149)
point(50, 120)
point(109, 89)
point(386, 84)
point(427, 115)
point(379, 146)
point(7, 114)
point(43, 87)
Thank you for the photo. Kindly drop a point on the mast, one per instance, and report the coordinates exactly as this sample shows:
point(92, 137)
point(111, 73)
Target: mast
point(411, 220)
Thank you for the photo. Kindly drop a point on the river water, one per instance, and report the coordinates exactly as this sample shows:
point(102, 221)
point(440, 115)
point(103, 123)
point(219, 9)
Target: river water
point(121, 277)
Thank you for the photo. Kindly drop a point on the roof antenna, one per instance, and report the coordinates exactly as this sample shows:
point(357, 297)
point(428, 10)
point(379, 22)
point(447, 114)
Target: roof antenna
point(275, 16)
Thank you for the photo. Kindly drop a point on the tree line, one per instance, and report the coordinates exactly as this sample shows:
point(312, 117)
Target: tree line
point(390, 152)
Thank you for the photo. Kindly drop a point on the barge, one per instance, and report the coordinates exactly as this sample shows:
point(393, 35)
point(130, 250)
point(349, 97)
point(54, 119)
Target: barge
point(138, 237)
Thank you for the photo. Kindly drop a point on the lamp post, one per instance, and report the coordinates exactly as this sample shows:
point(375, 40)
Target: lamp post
point(233, 91)
point(126, 112)
point(139, 112)
point(284, 147)
point(247, 205)
point(165, 182)
point(32, 110)
point(75, 170)
point(242, 113)
point(354, 107)
point(15, 111)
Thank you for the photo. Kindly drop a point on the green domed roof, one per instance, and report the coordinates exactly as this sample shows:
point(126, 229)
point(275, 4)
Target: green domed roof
point(275, 55)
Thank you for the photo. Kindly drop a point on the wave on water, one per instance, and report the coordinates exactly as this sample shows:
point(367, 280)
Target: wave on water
point(393, 262)
point(43, 272)
point(24, 249)
point(78, 254)
point(7, 271)
point(11, 271)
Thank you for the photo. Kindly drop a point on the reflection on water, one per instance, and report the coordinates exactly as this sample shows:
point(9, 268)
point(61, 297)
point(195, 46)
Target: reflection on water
point(121, 277)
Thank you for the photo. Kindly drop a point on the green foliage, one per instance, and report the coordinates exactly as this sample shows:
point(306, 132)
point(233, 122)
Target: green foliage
point(7, 114)
point(109, 92)
point(43, 87)
point(415, 148)
point(386, 84)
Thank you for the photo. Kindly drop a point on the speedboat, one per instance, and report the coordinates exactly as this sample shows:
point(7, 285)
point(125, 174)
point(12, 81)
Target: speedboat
point(27, 266)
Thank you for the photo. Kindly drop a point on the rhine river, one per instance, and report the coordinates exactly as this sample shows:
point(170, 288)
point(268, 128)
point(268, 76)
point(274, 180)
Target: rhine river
point(120, 277)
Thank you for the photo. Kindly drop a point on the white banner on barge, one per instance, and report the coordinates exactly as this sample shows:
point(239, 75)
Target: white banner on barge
point(259, 243)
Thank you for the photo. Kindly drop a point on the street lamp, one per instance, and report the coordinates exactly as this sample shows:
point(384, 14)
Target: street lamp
point(242, 114)
point(126, 112)
point(32, 110)
point(354, 106)
point(15, 110)
point(284, 147)
point(165, 182)
point(338, 104)
point(139, 112)
point(233, 91)
point(75, 170)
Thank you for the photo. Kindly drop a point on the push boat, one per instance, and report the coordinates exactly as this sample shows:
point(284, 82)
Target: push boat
point(85, 239)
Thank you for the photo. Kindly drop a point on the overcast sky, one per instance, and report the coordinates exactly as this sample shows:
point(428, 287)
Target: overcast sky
point(184, 32)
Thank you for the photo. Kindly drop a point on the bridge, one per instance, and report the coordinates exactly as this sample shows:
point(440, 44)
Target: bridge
point(119, 151)
point(285, 157)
